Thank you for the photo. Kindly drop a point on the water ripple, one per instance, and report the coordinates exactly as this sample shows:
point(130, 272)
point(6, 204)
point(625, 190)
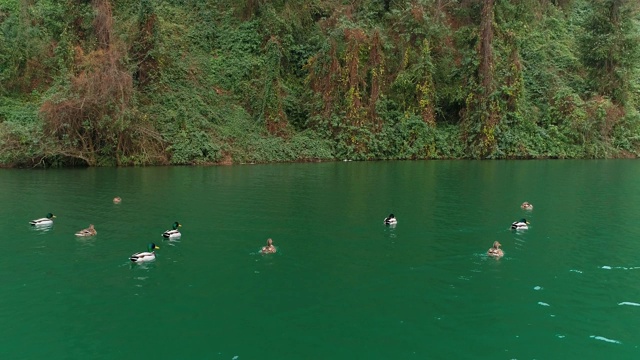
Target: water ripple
point(629, 303)
point(602, 338)
point(607, 267)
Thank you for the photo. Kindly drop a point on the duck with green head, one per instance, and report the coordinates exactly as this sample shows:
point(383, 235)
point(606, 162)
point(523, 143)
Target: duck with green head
point(173, 233)
point(145, 256)
point(390, 220)
point(45, 221)
point(523, 224)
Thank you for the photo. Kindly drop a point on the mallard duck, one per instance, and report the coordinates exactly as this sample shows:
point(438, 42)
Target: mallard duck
point(495, 250)
point(526, 206)
point(45, 221)
point(520, 225)
point(173, 233)
point(390, 220)
point(145, 256)
point(269, 248)
point(90, 231)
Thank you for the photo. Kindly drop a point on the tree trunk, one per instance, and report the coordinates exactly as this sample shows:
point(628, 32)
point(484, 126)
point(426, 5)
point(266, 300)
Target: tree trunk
point(486, 51)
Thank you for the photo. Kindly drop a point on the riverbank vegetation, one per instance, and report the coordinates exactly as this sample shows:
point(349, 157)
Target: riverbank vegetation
point(146, 82)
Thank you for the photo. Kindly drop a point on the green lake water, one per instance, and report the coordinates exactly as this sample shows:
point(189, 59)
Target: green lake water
point(342, 285)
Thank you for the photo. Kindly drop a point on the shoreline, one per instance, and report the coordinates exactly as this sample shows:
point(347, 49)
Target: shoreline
point(226, 162)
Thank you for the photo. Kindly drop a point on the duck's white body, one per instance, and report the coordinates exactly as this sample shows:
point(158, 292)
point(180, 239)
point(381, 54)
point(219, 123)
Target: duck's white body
point(143, 256)
point(519, 225)
point(171, 234)
point(41, 222)
point(391, 221)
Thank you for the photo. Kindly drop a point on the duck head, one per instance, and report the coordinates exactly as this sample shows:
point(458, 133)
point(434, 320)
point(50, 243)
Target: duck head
point(50, 216)
point(176, 225)
point(152, 247)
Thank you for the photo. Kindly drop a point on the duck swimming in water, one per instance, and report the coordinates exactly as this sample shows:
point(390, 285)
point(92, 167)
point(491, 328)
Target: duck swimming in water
point(90, 231)
point(523, 224)
point(45, 221)
point(269, 248)
point(526, 206)
point(145, 256)
point(390, 220)
point(495, 250)
point(173, 233)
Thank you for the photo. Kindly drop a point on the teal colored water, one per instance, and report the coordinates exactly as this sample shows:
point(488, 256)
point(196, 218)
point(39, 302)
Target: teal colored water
point(342, 285)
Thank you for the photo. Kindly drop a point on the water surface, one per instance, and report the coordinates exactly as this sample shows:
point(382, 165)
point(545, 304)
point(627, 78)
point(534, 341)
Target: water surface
point(342, 285)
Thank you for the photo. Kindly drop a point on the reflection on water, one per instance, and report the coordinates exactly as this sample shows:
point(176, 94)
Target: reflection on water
point(41, 228)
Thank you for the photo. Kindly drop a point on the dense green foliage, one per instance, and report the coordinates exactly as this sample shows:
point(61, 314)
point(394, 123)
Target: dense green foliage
point(122, 82)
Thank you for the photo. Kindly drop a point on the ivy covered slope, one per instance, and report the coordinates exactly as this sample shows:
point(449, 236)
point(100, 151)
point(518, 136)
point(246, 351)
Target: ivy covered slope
point(142, 82)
